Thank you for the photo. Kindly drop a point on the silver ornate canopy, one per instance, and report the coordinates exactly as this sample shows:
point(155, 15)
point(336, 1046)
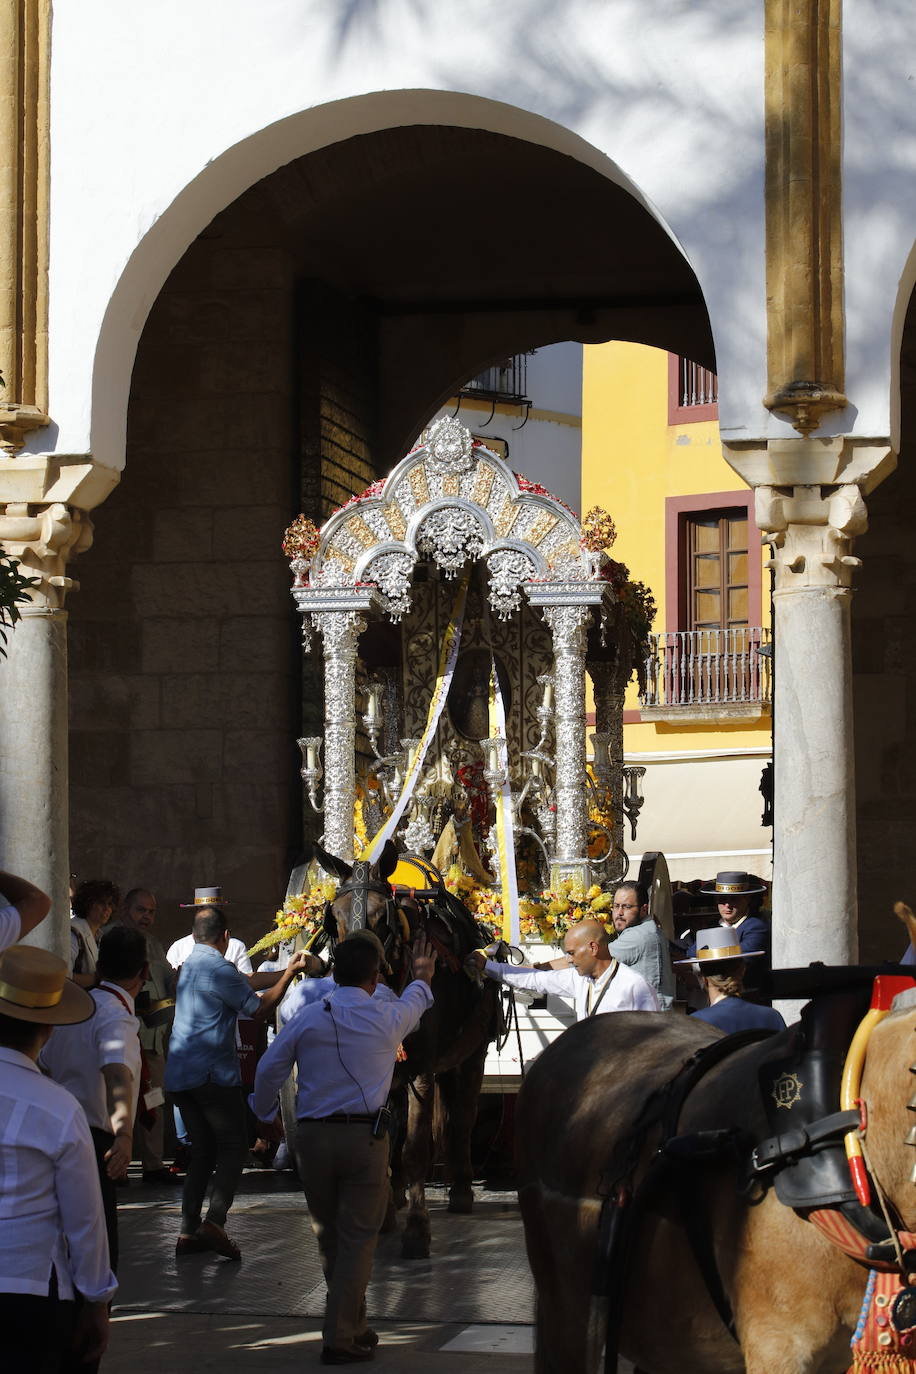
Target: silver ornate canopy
point(452, 501)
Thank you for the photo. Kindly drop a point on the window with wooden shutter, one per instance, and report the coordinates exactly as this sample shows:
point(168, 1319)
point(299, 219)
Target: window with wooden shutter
point(716, 546)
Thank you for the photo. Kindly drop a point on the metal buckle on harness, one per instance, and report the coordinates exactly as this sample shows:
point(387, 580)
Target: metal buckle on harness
point(789, 1145)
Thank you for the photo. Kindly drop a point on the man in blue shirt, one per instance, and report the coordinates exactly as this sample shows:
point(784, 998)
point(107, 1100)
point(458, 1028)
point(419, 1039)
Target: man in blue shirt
point(345, 1047)
point(202, 1074)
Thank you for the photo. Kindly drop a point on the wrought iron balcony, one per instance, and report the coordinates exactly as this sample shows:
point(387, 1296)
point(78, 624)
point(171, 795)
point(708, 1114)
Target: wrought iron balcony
point(708, 674)
point(506, 382)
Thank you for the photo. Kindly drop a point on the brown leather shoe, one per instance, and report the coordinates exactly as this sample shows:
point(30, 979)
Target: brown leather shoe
point(212, 1237)
point(355, 1354)
point(190, 1245)
point(368, 1338)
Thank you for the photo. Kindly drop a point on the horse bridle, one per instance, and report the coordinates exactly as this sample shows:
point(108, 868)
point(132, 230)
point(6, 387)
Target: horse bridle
point(361, 883)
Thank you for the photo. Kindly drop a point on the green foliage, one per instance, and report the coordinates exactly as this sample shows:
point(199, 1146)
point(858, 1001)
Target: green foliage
point(13, 591)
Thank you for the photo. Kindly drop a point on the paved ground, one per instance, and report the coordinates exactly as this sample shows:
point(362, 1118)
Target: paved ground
point(467, 1309)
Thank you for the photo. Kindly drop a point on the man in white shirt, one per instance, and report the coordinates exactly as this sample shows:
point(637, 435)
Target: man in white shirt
point(99, 1062)
point(139, 913)
point(236, 952)
point(22, 907)
point(52, 1226)
point(595, 982)
point(345, 1047)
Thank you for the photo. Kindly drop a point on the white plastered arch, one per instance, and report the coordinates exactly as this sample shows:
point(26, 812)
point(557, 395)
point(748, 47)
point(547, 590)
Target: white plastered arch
point(241, 166)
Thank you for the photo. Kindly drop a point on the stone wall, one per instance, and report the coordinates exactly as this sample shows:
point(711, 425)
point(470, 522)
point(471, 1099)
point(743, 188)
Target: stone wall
point(187, 692)
point(884, 685)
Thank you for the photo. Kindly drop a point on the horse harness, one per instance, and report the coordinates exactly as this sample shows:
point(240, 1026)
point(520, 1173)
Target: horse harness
point(403, 914)
point(804, 1163)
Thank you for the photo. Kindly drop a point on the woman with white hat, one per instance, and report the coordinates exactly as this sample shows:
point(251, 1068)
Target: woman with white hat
point(52, 1227)
point(719, 963)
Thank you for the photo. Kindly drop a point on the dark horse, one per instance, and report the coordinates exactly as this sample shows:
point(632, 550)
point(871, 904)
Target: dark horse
point(448, 1049)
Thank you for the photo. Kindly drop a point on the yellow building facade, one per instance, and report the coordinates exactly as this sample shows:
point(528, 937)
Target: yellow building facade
point(652, 457)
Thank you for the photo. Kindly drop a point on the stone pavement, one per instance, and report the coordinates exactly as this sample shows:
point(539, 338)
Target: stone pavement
point(468, 1309)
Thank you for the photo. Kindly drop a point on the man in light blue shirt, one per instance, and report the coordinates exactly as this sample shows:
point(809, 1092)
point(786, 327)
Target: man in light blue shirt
point(344, 1047)
point(640, 944)
point(202, 1074)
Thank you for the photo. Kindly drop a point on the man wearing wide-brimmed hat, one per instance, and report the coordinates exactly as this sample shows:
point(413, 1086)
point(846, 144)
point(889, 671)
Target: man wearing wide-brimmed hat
point(52, 1228)
point(208, 898)
point(720, 963)
point(732, 892)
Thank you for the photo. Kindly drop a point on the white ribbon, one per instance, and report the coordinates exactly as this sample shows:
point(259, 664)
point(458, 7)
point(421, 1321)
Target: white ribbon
point(448, 657)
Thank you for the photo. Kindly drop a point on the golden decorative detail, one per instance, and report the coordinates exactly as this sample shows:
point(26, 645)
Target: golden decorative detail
point(24, 190)
point(541, 528)
point(301, 539)
point(507, 518)
point(804, 262)
point(563, 553)
point(483, 483)
point(451, 485)
point(357, 527)
point(419, 485)
point(346, 562)
point(786, 1090)
point(394, 518)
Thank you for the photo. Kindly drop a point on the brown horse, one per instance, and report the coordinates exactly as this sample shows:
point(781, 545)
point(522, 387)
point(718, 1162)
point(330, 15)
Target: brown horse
point(794, 1297)
point(446, 1054)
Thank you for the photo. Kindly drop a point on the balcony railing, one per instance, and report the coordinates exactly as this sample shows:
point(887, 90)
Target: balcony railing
point(506, 381)
point(697, 386)
point(700, 668)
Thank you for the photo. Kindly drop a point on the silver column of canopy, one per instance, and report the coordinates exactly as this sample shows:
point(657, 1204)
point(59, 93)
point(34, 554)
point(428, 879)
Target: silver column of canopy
point(340, 631)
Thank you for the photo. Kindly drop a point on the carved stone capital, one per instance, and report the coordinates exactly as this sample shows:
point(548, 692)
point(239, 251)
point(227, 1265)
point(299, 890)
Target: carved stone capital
point(44, 538)
point(812, 534)
point(18, 421)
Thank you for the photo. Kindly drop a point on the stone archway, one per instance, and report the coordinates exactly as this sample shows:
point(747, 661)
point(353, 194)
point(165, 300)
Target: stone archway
point(299, 344)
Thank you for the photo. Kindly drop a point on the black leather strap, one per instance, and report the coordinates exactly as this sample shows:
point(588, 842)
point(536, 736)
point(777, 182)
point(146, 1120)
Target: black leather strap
point(789, 1145)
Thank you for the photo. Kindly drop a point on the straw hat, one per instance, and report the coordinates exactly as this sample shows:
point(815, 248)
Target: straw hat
point(206, 896)
point(34, 987)
point(717, 946)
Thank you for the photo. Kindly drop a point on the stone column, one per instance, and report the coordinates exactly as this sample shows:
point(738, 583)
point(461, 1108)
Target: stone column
point(340, 631)
point(609, 701)
point(34, 775)
point(814, 878)
point(809, 502)
point(568, 626)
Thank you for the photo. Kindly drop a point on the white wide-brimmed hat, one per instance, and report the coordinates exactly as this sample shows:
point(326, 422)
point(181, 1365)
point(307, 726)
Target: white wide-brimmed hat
point(716, 946)
point(206, 896)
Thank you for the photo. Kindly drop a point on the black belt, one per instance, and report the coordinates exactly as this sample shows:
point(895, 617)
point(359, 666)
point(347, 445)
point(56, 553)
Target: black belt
point(339, 1118)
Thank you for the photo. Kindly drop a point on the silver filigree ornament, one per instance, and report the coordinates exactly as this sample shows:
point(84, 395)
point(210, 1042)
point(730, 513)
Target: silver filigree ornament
point(417, 835)
point(451, 538)
point(507, 569)
point(391, 572)
point(450, 447)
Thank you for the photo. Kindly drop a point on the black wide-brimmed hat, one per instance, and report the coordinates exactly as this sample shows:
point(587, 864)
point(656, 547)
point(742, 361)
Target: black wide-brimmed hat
point(733, 884)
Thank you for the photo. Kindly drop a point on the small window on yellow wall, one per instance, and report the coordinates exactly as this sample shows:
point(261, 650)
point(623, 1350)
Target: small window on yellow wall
point(716, 584)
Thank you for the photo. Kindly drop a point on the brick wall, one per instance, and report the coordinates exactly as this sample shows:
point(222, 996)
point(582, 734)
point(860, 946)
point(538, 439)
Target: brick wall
point(187, 687)
point(884, 686)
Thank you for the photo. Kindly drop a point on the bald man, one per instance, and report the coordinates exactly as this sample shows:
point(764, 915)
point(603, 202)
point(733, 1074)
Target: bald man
point(595, 982)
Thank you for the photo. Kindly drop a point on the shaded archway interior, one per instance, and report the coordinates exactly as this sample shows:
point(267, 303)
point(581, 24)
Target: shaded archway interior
point(884, 685)
point(293, 355)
